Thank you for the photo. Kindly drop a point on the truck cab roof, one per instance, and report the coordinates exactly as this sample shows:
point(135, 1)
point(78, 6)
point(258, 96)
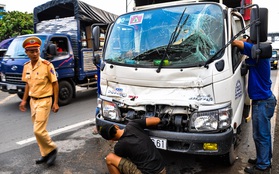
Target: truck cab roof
point(228, 3)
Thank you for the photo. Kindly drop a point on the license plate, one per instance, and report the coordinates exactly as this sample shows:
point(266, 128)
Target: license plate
point(159, 143)
point(11, 87)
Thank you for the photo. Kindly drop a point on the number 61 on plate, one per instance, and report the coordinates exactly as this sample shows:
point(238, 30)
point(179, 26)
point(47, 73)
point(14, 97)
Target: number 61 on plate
point(159, 143)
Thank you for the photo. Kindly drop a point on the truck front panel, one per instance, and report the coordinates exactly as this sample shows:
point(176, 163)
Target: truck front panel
point(168, 61)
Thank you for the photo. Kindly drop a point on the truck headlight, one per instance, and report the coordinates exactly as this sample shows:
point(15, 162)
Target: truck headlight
point(3, 77)
point(211, 120)
point(110, 110)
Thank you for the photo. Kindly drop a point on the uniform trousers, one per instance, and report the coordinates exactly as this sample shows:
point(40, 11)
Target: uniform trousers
point(40, 110)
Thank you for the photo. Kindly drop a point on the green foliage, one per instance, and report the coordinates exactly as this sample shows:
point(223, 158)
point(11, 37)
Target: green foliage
point(15, 23)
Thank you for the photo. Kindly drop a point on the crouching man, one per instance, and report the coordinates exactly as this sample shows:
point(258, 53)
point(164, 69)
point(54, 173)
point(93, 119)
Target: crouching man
point(134, 152)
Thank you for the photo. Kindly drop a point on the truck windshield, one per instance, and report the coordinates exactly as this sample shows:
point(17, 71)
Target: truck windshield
point(16, 51)
point(188, 35)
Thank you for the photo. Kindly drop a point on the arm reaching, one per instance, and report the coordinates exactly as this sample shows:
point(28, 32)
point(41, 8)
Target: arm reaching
point(152, 121)
point(238, 43)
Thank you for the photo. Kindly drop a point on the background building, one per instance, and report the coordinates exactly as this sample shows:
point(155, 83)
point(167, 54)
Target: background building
point(2, 9)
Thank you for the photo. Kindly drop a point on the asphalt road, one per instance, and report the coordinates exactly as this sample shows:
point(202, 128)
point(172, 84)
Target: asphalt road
point(16, 126)
point(81, 152)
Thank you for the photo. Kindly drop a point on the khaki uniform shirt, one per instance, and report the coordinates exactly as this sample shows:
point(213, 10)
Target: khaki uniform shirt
point(39, 78)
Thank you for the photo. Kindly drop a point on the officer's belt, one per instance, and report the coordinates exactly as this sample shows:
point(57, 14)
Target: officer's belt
point(35, 98)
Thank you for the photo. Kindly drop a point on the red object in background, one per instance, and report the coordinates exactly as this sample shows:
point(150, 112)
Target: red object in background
point(247, 12)
point(59, 49)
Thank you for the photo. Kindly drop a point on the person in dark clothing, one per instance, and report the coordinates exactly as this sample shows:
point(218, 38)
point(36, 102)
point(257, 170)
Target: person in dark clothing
point(134, 152)
point(263, 106)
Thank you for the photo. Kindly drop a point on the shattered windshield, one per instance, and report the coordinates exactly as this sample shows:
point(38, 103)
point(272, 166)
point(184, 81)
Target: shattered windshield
point(16, 51)
point(188, 36)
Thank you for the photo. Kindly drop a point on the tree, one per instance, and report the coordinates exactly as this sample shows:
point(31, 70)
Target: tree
point(15, 23)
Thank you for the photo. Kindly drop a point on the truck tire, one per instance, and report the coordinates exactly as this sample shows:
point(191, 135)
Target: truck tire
point(230, 157)
point(65, 93)
point(20, 95)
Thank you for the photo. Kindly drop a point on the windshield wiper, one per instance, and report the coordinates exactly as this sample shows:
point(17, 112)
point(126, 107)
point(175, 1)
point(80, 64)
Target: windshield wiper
point(173, 38)
point(146, 53)
point(227, 44)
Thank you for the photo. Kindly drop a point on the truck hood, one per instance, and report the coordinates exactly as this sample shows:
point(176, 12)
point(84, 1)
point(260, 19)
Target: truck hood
point(140, 86)
point(11, 65)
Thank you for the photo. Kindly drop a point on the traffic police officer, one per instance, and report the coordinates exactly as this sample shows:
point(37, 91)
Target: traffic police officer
point(42, 88)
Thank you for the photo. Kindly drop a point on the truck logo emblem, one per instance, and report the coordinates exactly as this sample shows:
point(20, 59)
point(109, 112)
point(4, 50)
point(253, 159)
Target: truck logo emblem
point(205, 98)
point(119, 89)
point(14, 68)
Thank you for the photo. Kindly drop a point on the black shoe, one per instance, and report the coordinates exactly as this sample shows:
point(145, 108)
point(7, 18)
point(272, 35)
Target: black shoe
point(252, 161)
point(51, 157)
point(256, 170)
point(41, 160)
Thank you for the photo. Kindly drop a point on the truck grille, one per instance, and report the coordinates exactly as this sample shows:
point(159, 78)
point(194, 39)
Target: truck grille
point(14, 79)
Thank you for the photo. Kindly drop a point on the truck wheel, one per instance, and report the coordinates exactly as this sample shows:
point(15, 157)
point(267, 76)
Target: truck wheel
point(20, 95)
point(230, 157)
point(65, 93)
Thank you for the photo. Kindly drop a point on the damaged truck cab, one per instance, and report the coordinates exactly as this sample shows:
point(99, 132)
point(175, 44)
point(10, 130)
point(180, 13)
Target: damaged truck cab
point(174, 61)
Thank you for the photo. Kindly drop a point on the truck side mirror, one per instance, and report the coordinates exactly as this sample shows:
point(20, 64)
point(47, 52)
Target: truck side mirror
point(264, 51)
point(96, 37)
point(260, 14)
point(96, 60)
point(50, 52)
point(52, 49)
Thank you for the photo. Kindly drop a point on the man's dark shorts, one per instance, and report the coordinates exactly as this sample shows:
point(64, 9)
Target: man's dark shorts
point(126, 166)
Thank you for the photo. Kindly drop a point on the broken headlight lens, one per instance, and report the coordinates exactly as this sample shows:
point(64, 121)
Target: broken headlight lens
point(211, 120)
point(110, 110)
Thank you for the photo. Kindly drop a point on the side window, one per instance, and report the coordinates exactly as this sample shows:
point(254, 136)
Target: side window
point(237, 25)
point(102, 37)
point(102, 41)
point(61, 45)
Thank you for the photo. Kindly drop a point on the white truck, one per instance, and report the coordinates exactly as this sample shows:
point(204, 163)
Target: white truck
point(175, 61)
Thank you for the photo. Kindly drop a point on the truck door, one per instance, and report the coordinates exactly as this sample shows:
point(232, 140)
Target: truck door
point(239, 79)
point(62, 47)
point(62, 59)
point(237, 25)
